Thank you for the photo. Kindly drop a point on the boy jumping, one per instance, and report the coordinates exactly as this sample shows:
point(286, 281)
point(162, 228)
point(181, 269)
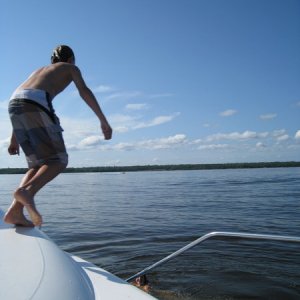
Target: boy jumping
point(37, 131)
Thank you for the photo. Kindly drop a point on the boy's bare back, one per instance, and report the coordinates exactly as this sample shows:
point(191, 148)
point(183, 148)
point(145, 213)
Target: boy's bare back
point(54, 78)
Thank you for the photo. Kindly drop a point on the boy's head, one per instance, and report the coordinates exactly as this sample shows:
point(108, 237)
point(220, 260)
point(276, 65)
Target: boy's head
point(62, 53)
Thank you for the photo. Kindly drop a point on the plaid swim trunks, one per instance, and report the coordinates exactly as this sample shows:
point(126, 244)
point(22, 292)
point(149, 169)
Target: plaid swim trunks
point(38, 133)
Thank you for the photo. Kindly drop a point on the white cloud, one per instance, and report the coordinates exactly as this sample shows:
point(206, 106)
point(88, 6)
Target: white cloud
point(153, 144)
point(213, 147)
point(268, 116)
point(156, 121)
point(103, 89)
point(90, 141)
point(124, 146)
point(164, 143)
point(79, 128)
point(123, 123)
point(228, 113)
point(197, 141)
point(280, 135)
point(297, 135)
point(123, 95)
point(282, 138)
point(94, 142)
point(277, 133)
point(260, 145)
point(136, 106)
point(120, 129)
point(246, 135)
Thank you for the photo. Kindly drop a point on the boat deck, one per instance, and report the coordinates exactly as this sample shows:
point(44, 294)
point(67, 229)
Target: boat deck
point(33, 267)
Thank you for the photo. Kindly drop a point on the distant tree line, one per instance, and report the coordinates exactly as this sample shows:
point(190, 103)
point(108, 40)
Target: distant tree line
point(166, 167)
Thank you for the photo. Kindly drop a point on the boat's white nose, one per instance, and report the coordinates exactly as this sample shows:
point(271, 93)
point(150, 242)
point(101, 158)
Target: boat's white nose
point(33, 267)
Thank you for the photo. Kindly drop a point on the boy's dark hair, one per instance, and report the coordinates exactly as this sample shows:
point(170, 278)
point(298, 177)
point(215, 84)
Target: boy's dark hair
point(61, 54)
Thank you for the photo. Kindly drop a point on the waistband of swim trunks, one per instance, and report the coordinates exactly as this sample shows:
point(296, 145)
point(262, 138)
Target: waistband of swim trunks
point(39, 96)
point(50, 113)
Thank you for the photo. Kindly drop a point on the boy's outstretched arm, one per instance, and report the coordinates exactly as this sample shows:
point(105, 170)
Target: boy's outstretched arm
point(87, 95)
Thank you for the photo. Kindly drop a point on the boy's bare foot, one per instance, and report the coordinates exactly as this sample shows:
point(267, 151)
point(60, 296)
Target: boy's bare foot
point(23, 196)
point(17, 218)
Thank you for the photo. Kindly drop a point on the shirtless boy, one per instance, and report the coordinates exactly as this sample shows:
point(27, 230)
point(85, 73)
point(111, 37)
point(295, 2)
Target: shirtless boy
point(37, 131)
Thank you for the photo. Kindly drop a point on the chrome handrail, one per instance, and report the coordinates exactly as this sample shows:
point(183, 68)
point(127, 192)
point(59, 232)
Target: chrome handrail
point(212, 235)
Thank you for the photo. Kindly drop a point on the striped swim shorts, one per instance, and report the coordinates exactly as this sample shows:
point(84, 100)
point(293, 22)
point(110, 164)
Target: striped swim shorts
point(38, 133)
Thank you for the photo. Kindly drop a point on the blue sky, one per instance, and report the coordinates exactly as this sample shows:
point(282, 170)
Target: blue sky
point(181, 81)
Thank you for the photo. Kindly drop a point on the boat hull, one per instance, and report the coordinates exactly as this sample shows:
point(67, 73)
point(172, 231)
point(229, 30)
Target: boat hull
point(33, 267)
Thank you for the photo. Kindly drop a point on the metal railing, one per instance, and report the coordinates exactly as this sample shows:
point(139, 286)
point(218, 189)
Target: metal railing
point(207, 236)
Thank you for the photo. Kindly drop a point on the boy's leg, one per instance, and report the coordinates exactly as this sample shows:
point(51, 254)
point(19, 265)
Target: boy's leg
point(24, 194)
point(15, 214)
point(33, 181)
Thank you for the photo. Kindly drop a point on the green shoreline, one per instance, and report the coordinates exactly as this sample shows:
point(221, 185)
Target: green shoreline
point(182, 167)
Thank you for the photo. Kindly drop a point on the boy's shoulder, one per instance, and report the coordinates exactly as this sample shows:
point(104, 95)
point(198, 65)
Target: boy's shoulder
point(62, 67)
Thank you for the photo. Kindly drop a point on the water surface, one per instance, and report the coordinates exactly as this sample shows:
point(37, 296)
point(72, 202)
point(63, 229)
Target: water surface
point(124, 222)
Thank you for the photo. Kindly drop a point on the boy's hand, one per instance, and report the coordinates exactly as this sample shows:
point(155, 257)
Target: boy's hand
point(107, 131)
point(14, 148)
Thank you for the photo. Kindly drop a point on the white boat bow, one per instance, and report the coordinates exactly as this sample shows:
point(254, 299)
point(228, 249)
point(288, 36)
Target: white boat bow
point(33, 267)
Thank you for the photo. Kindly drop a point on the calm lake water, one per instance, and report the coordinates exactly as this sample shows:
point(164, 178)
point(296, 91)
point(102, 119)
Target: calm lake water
point(124, 222)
